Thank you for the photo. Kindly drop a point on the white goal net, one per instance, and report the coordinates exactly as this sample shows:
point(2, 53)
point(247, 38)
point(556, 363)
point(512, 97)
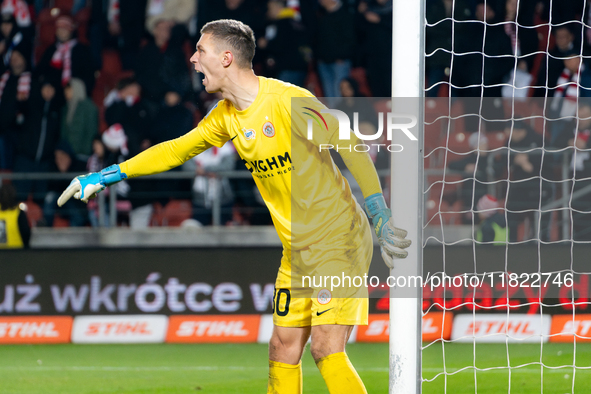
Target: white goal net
point(507, 197)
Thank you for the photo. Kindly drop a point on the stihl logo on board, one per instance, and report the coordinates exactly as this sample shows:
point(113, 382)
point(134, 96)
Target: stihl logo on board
point(434, 327)
point(500, 327)
point(212, 328)
point(565, 327)
point(119, 329)
point(42, 329)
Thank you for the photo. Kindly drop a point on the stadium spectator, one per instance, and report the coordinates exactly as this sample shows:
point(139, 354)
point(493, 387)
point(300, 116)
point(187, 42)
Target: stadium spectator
point(499, 42)
point(36, 141)
point(179, 12)
point(172, 121)
point(552, 64)
point(15, 232)
point(519, 30)
point(64, 161)
point(15, 87)
point(107, 149)
point(79, 119)
point(116, 24)
point(573, 83)
point(19, 9)
point(250, 12)
point(476, 168)
point(493, 226)
point(437, 43)
point(335, 44)
point(126, 107)
point(161, 64)
point(285, 45)
point(11, 38)
point(377, 45)
point(527, 190)
point(576, 134)
point(209, 188)
point(66, 58)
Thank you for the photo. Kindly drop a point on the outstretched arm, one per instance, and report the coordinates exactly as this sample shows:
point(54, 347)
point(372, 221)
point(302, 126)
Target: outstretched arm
point(159, 158)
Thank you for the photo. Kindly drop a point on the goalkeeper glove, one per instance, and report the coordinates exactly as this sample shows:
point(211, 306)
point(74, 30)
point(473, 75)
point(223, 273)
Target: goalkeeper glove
point(85, 187)
point(392, 239)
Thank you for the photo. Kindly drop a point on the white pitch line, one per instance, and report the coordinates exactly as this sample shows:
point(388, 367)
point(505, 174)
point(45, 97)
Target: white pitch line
point(41, 368)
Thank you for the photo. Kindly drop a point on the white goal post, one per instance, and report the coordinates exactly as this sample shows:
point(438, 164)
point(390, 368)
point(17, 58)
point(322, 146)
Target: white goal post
point(407, 194)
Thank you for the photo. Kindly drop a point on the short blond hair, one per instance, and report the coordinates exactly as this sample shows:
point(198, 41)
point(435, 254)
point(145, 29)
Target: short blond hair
point(237, 35)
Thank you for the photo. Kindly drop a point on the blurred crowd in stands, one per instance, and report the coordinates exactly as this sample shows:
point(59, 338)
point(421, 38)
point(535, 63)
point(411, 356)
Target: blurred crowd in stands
point(88, 83)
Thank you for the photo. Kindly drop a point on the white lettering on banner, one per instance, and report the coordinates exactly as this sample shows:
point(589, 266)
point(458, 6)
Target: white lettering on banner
point(152, 296)
point(212, 329)
point(119, 329)
point(580, 327)
point(98, 296)
point(69, 296)
point(381, 327)
point(28, 330)
point(24, 304)
point(262, 299)
point(428, 327)
point(29, 292)
point(226, 296)
point(499, 327)
point(7, 304)
point(377, 327)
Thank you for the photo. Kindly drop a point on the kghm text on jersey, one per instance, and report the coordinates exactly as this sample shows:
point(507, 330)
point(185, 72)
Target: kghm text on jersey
point(271, 164)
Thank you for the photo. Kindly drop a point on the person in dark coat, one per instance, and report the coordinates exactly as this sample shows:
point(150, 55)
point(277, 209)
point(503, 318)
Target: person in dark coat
point(36, 141)
point(285, 45)
point(66, 58)
point(15, 87)
point(161, 64)
point(126, 107)
point(117, 24)
point(527, 190)
point(11, 37)
point(552, 64)
point(377, 45)
point(335, 44)
point(64, 161)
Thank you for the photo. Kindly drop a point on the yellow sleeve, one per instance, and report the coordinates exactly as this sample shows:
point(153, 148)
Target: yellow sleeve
point(166, 155)
point(162, 157)
point(361, 166)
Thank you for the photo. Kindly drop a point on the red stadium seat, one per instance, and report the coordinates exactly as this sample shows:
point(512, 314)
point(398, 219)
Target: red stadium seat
point(358, 74)
point(173, 214)
point(34, 213)
point(59, 222)
point(64, 5)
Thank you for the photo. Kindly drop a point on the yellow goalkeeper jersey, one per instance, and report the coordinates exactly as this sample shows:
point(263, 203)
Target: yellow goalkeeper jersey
point(305, 192)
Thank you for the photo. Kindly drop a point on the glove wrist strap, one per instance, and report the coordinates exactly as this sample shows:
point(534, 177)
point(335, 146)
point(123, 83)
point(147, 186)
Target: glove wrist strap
point(111, 175)
point(374, 204)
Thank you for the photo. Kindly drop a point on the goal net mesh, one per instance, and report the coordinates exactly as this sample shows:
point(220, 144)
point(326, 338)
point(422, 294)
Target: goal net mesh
point(507, 194)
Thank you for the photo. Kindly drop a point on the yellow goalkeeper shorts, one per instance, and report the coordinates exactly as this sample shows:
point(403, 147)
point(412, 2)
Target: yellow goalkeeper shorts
point(326, 283)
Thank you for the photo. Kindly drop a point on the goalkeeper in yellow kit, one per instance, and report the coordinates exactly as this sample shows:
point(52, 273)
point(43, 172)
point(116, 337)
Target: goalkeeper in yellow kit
point(322, 227)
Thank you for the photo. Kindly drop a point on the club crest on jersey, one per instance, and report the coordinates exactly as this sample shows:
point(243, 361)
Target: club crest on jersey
point(269, 129)
point(324, 297)
point(249, 134)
